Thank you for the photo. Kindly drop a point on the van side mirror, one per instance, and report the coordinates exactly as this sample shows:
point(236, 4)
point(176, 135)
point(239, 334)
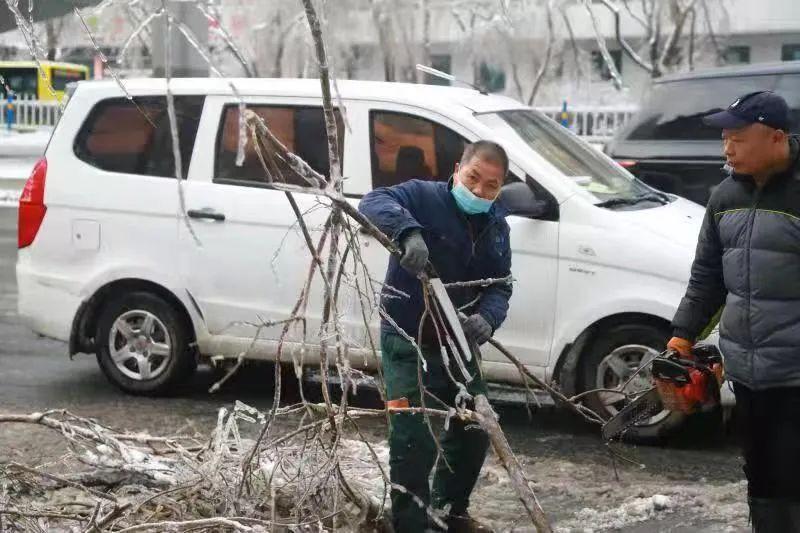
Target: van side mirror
point(519, 199)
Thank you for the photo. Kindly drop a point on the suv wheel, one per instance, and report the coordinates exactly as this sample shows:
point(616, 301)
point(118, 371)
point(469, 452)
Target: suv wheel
point(142, 344)
point(610, 362)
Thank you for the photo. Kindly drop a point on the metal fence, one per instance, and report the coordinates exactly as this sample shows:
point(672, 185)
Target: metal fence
point(32, 113)
point(593, 124)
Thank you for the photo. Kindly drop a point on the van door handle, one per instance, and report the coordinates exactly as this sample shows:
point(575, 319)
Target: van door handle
point(206, 213)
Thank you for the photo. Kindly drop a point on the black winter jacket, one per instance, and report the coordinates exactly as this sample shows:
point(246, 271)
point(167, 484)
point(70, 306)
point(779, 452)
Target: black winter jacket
point(748, 258)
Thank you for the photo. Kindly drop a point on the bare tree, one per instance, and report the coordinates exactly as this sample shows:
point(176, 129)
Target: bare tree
point(474, 19)
point(547, 54)
point(662, 51)
point(381, 17)
point(425, 59)
point(53, 28)
point(516, 24)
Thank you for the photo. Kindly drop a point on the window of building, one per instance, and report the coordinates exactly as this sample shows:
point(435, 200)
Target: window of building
point(300, 129)
point(441, 62)
point(735, 55)
point(8, 52)
point(133, 137)
point(405, 147)
point(600, 67)
point(491, 78)
point(790, 52)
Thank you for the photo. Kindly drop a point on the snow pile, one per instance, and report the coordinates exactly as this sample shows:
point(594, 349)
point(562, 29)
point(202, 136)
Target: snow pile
point(632, 511)
point(9, 198)
point(691, 504)
point(16, 143)
point(578, 496)
point(358, 465)
point(15, 169)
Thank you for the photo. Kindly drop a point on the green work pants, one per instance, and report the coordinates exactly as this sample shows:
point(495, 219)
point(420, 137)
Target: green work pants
point(412, 450)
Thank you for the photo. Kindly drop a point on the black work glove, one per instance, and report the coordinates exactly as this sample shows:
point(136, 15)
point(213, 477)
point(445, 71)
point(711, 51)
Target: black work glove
point(415, 253)
point(477, 329)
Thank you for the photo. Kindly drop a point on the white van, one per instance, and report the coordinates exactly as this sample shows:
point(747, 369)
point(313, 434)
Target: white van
point(107, 262)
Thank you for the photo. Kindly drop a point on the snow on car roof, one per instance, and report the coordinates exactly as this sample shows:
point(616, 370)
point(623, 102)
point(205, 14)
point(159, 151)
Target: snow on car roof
point(425, 96)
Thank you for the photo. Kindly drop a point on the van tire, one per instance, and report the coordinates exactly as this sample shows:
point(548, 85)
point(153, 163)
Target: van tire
point(164, 351)
point(624, 339)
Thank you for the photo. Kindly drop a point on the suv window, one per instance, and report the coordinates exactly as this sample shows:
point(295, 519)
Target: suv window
point(133, 136)
point(404, 147)
point(789, 87)
point(674, 109)
point(300, 129)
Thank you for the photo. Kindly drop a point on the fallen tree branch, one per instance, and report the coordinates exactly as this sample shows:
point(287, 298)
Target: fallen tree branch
point(487, 418)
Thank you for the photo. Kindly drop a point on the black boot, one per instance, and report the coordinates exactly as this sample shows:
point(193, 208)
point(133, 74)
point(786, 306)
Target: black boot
point(466, 524)
point(774, 515)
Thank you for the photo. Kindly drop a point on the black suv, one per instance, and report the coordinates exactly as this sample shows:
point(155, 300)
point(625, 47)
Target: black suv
point(667, 145)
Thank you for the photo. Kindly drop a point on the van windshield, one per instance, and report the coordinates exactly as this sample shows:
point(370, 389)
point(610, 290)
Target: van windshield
point(577, 160)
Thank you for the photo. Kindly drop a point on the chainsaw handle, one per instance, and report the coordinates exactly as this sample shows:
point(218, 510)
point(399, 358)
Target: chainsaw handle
point(701, 362)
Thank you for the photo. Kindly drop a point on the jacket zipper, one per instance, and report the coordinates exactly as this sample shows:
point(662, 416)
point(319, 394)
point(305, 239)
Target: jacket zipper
point(474, 239)
point(751, 224)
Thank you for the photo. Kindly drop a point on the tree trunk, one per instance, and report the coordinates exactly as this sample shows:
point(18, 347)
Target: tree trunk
point(426, 38)
point(53, 31)
point(547, 55)
point(385, 40)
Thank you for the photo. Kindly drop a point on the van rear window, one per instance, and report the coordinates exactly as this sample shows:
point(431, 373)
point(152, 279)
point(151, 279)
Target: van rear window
point(675, 109)
point(133, 137)
point(301, 129)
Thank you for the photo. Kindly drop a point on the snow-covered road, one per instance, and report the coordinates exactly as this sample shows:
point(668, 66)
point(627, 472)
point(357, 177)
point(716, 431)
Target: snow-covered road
point(19, 151)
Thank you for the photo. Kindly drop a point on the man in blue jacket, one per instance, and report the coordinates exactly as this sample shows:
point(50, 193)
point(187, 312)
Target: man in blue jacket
point(462, 231)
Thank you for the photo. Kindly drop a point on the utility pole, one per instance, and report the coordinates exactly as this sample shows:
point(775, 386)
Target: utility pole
point(186, 61)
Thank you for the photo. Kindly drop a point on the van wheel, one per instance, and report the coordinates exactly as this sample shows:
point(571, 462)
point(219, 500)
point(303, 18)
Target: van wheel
point(143, 344)
point(611, 361)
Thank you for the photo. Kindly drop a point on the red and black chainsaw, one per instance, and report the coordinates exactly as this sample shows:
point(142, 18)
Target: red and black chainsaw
point(684, 385)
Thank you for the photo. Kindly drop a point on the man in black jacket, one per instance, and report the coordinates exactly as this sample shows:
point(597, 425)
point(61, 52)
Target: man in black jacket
point(748, 259)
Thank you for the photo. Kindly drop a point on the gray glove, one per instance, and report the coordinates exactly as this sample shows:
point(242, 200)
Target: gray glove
point(477, 329)
point(415, 253)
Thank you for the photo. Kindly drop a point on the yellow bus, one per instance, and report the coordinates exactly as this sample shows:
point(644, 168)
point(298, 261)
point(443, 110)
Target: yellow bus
point(25, 79)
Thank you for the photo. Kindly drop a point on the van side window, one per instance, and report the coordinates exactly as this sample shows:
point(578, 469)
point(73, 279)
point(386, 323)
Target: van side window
point(300, 129)
point(404, 147)
point(789, 87)
point(133, 137)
